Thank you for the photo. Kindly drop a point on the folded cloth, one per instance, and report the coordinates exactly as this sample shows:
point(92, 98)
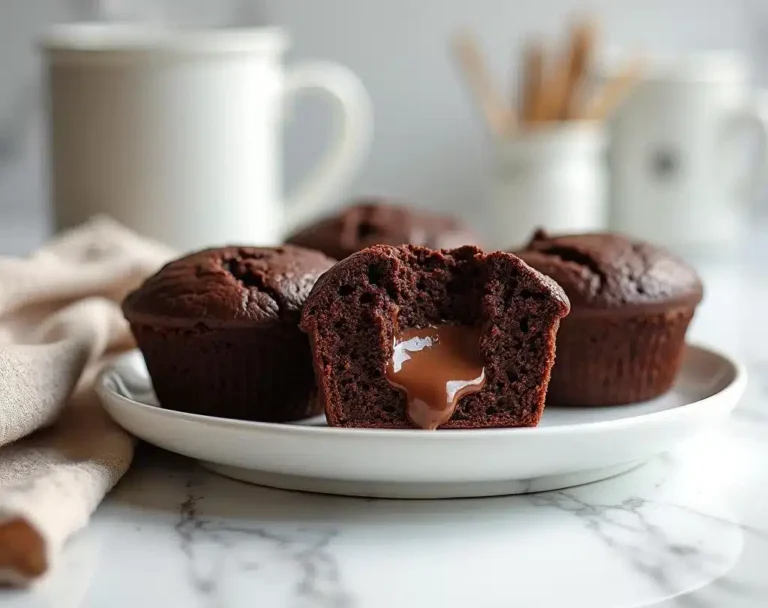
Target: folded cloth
point(60, 320)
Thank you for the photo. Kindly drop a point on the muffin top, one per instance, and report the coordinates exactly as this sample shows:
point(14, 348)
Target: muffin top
point(228, 286)
point(606, 271)
point(374, 221)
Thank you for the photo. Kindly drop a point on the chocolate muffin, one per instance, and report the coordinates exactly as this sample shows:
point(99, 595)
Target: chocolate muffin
point(631, 303)
point(376, 222)
point(219, 332)
point(457, 339)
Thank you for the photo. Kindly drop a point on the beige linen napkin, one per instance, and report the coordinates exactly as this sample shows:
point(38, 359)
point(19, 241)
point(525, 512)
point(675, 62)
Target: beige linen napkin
point(59, 319)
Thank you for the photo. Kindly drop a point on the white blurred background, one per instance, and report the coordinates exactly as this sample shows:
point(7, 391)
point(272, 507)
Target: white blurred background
point(429, 145)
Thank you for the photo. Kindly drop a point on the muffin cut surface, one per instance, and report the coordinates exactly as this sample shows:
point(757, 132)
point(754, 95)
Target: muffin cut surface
point(356, 309)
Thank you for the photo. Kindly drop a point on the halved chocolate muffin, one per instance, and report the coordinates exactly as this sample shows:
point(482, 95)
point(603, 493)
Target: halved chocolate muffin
point(374, 221)
point(219, 332)
point(457, 339)
point(631, 304)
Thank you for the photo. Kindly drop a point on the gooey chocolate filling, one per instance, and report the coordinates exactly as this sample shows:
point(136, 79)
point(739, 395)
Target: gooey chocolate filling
point(435, 367)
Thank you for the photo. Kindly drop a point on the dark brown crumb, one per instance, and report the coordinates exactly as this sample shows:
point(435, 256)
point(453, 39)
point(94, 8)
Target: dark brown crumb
point(350, 314)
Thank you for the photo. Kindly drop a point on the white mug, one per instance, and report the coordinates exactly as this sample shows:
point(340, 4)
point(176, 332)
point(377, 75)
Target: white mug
point(679, 172)
point(552, 177)
point(177, 133)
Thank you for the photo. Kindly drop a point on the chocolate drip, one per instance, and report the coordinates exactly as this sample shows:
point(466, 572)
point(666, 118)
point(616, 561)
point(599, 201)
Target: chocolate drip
point(436, 367)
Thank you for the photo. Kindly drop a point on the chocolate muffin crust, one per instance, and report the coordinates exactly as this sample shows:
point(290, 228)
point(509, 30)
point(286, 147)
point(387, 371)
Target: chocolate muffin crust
point(632, 303)
point(229, 286)
point(601, 271)
point(219, 332)
point(373, 221)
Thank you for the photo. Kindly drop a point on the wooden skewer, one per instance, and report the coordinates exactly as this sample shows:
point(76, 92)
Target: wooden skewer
point(553, 90)
point(605, 101)
point(583, 43)
point(498, 115)
point(533, 99)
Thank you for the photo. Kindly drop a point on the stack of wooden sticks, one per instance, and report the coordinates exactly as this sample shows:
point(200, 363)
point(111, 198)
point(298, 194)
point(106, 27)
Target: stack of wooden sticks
point(554, 87)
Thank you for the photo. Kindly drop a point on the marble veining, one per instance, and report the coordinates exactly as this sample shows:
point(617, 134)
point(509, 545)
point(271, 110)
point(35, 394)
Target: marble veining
point(633, 540)
point(203, 540)
point(628, 531)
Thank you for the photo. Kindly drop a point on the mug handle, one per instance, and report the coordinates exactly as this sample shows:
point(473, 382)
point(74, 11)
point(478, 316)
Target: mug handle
point(351, 137)
point(753, 116)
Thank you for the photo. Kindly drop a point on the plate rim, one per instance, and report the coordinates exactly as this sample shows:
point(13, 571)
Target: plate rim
point(737, 384)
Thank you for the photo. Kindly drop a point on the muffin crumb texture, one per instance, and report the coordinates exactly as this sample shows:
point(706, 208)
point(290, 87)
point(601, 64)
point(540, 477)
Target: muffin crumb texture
point(355, 309)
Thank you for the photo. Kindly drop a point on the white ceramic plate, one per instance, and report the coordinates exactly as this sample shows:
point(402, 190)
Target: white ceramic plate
point(571, 446)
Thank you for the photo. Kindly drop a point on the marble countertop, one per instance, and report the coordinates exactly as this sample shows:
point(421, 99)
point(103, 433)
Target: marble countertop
point(686, 530)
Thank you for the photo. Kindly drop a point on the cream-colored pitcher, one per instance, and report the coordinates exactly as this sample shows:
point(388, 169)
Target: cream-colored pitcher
point(177, 133)
point(682, 168)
